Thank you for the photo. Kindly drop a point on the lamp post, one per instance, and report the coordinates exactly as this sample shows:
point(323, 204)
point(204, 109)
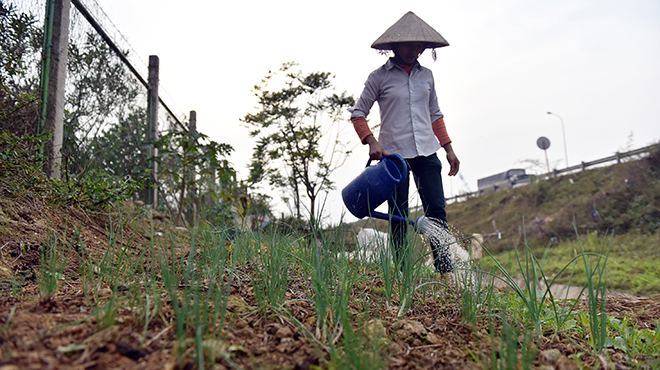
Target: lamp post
point(564, 134)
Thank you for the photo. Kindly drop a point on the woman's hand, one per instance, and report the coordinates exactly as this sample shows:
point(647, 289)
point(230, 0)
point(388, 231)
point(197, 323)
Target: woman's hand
point(454, 163)
point(376, 150)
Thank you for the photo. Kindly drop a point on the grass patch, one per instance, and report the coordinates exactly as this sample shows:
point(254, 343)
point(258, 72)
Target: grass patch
point(631, 266)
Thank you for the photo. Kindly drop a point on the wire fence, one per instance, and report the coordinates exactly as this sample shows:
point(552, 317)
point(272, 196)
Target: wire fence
point(21, 46)
point(105, 105)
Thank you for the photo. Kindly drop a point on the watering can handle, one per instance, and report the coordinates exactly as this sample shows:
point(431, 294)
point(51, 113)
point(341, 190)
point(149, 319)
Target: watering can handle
point(393, 155)
point(381, 158)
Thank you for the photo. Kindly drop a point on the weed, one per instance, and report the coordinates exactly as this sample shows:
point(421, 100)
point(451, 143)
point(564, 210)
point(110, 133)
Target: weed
point(595, 266)
point(271, 281)
point(8, 320)
point(642, 346)
point(53, 263)
point(361, 348)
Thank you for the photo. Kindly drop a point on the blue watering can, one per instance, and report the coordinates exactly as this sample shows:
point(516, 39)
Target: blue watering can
point(374, 186)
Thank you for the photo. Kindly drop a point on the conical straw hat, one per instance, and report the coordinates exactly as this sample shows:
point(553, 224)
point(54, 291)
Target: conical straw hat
point(410, 28)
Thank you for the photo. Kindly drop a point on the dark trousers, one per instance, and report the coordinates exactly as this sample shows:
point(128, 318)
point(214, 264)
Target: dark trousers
point(428, 179)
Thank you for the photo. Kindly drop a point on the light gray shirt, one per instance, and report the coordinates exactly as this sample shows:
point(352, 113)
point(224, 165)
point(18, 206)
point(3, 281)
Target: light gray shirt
point(408, 107)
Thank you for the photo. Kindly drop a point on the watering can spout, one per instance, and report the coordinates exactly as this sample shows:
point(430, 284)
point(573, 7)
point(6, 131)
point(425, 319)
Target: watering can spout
point(421, 224)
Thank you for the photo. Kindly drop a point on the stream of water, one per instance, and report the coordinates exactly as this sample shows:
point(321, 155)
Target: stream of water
point(452, 255)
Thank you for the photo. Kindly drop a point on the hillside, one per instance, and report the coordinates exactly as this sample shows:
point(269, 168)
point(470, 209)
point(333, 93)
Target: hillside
point(621, 198)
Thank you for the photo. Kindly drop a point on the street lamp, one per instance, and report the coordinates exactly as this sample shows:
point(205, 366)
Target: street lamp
point(564, 134)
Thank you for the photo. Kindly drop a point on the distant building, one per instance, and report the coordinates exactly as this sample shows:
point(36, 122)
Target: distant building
point(505, 180)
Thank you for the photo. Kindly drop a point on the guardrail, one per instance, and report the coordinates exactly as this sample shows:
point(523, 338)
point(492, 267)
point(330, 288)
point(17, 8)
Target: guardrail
point(580, 167)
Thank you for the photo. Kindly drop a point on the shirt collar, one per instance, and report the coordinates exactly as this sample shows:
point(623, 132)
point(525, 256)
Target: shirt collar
point(390, 64)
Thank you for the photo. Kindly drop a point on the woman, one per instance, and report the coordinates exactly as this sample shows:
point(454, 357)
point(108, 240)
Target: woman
point(412, 124)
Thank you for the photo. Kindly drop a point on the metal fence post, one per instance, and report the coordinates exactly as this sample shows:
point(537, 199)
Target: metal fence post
point(152, 129)
point(192, 185)
point(192, 127)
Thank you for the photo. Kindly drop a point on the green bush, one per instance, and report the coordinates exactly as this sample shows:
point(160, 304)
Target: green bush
point(20, 164)
point(21, 175)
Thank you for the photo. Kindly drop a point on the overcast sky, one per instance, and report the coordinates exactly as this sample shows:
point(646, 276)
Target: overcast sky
point(595, 63)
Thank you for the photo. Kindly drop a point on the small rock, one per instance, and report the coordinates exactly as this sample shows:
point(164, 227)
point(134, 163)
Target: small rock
point(396, 348)
point(283, 332)
point(414, 327)
point(6, 273)
point(550, 357)
point(565, 363)
point(375, 328)
point(432, 338)
point(258, 351)
point(240, 324)
point(244, 333)
point(310, 322)
point(286, 340)
point(273, 328)
point(402, 335)
point(282, 348)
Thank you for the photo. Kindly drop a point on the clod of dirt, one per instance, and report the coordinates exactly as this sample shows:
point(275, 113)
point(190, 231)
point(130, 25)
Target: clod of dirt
point(550, 357)
point(565, 363)
point(283, 332)
point(375, 328)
